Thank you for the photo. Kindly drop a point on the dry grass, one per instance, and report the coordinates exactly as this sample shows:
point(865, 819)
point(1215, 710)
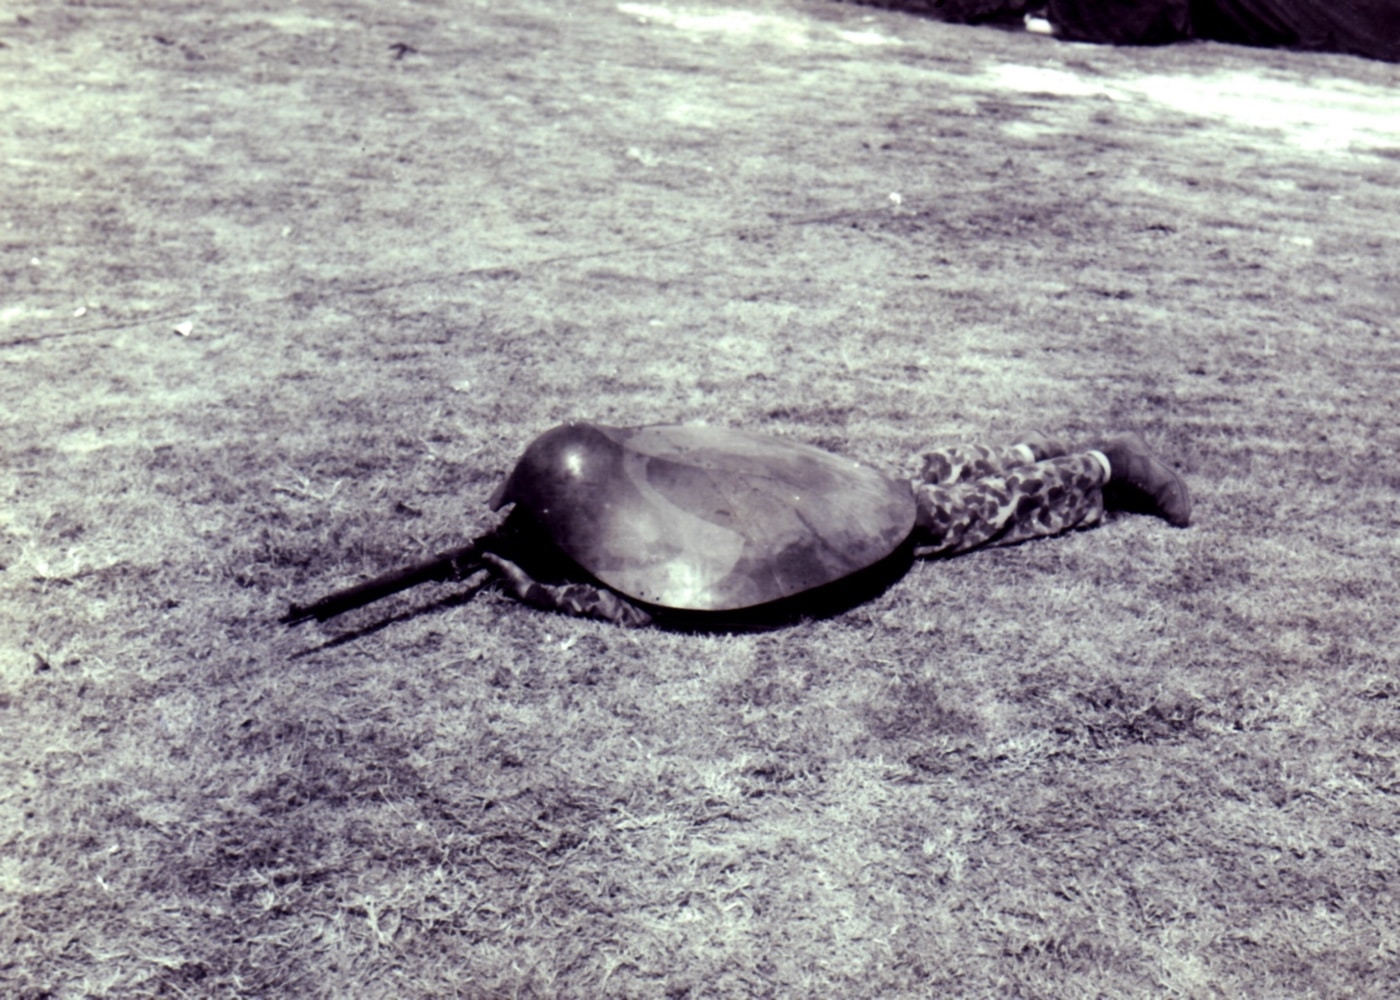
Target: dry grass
point(1134, 761)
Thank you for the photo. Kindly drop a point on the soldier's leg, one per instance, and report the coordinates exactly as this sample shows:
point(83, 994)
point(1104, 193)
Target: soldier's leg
point(1027, 500)
point(583, 599)
point(964, 463)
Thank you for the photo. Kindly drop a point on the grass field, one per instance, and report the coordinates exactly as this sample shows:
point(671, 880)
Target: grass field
point(287, 287)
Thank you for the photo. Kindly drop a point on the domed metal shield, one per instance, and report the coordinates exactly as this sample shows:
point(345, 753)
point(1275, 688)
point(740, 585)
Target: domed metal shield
point(706, 518)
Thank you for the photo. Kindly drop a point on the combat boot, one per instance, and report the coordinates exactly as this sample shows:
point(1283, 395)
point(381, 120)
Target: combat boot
point(1133, 465)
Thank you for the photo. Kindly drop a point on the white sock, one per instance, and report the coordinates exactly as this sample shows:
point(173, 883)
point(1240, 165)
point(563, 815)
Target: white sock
point(1102, 459)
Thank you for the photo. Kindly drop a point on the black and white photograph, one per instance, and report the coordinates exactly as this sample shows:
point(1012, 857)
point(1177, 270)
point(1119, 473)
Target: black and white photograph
point(890, 500)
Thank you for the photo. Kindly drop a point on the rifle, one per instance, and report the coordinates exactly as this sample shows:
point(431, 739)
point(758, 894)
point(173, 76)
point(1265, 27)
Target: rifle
point(454, 564)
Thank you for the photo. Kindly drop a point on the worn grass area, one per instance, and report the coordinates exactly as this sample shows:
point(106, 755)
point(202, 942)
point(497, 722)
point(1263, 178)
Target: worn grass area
point(1131, 762)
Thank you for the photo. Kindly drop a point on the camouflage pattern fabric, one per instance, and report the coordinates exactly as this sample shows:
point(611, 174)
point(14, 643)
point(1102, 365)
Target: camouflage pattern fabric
point(583, 599)
point(973, 495)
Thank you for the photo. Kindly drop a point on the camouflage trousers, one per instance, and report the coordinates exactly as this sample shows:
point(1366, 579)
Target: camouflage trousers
point(972, 495)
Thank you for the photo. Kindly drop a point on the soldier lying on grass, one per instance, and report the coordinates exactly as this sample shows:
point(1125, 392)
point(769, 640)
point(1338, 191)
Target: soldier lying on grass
point(684, 524)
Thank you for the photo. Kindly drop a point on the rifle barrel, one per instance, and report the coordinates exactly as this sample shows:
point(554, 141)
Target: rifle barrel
point(449, 565)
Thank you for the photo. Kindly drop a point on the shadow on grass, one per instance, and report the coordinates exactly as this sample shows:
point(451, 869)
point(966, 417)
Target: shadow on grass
point(451, 601)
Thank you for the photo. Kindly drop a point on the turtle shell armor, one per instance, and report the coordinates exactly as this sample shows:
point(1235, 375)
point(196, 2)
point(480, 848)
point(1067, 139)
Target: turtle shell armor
point(706, 518)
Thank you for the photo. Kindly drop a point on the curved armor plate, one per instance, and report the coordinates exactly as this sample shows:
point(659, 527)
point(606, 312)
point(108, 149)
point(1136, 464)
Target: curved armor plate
point(706, 518)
